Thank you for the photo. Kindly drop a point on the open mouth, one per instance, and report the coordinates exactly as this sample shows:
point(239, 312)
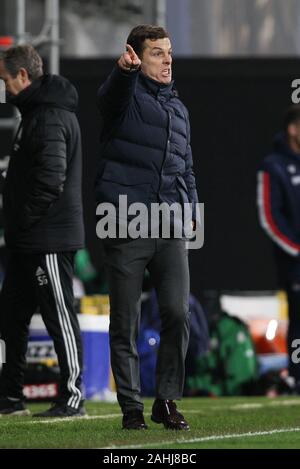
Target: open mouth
point(166, 72)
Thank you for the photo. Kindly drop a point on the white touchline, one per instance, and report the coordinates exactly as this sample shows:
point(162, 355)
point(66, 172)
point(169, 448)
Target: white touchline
point(250, 406)
point(207, 438)
point(59, 420)
point(73, 419)
point(166, 442)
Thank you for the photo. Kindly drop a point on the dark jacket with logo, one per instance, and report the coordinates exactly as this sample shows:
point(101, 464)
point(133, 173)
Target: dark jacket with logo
point(278, 199)
point(145, 142)
point(42, 194)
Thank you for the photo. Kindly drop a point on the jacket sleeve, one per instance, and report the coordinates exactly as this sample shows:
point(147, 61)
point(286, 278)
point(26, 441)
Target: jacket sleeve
point(189, 176)
point(47, 146)
point(271, 212)
point(115, 94)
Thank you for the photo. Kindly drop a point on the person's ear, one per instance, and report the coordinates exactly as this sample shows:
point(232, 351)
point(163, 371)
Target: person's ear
point(23, 74)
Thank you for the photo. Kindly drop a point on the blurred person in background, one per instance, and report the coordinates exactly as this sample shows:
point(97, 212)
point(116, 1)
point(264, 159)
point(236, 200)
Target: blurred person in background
point(43, 228)
point(279, 214)
point(146, 155)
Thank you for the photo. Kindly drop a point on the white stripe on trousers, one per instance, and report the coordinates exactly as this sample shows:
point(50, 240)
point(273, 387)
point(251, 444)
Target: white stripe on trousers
point(74, 352)
point(67, 331)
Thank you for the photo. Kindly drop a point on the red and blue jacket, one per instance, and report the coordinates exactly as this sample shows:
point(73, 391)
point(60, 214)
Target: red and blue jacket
point(278, 199)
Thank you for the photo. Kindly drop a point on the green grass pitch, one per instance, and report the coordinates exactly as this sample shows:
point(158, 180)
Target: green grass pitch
point(215, 423)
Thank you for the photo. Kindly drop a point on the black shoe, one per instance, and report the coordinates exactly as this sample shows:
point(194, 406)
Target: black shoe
point(134, 420)
point(59, 410)
point(12, 407)
point(165, 411)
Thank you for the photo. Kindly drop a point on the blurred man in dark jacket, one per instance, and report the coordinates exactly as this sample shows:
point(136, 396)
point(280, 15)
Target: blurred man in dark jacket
point(146, 156)
point(279, 212)
point(43, 228)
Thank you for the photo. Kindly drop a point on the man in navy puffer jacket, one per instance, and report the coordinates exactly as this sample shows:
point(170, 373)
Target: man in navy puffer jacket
point(279, 211)
point(146, 155)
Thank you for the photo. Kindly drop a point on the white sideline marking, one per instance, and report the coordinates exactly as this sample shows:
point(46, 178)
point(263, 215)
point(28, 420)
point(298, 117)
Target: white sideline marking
point(286, 402)
point(207, 438)
point(246, 406)
point(250, 405)
point(242, 406)
point(64, 419)
point(72, 419)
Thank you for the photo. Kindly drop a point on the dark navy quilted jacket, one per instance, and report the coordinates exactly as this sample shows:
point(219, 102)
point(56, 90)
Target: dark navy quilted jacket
point(145, 142)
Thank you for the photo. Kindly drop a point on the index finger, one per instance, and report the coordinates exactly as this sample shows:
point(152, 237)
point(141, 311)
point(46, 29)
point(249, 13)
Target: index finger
point(130, 50)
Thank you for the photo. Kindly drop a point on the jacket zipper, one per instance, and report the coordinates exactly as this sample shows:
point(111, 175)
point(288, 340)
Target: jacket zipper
point(167, 147)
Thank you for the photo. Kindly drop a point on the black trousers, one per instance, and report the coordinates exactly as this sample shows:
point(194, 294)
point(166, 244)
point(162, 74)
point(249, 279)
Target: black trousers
point(293, 295)
point(44, 281)
point(167, 262)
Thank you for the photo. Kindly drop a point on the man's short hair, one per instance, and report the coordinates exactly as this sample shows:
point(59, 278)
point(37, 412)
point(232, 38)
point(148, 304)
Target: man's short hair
point(140, 33)
point(292, 116)
point(24, 56)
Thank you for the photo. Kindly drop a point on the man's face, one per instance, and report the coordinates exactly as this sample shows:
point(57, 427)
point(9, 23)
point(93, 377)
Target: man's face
point(294, 133)
point(14, 85)
point(157, 60)
point(297, 136)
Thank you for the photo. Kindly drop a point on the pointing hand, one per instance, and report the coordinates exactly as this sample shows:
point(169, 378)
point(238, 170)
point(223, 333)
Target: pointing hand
point(129, 59)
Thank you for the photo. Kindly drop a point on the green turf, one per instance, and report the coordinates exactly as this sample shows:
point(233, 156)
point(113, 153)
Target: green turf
point(220, 420)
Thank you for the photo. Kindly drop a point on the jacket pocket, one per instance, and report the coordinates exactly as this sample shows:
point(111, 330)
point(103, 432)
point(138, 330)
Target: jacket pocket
point(182, 189)
point(122, 180)
point(125, 174)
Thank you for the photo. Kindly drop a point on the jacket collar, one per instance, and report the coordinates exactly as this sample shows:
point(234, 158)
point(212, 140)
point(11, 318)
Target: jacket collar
point(159, 90)
point(48, 90)
point(24, 100)
point(281, 145)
